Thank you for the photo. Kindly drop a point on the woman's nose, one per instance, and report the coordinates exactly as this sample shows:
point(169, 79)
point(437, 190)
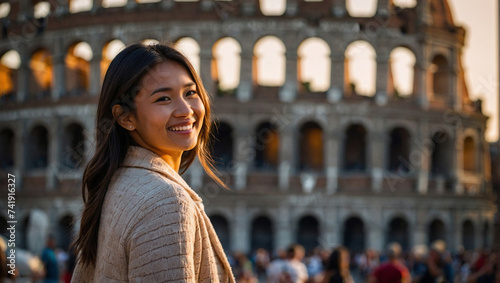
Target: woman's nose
point(183, 108)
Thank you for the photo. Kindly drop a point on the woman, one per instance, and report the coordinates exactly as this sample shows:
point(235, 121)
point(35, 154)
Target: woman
point(141, 222)
point(337, 269)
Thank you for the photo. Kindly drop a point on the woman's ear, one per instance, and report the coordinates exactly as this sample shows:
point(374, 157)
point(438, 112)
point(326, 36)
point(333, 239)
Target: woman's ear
point(123, 118)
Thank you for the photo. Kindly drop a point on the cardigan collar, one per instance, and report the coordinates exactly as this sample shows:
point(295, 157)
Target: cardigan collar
point(139, 157)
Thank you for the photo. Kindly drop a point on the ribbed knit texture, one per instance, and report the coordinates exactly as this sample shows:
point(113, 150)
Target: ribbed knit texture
point(154, 229)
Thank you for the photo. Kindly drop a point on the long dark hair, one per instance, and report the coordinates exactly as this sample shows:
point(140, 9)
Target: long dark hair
point(120, 86)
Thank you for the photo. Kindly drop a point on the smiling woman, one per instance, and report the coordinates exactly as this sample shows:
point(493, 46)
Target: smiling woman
point(151, 220)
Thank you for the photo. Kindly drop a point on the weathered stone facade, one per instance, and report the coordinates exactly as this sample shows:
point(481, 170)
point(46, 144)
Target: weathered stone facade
point(344, 169)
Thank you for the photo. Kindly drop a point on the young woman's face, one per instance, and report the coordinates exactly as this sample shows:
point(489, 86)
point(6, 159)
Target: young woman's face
point(169, 111)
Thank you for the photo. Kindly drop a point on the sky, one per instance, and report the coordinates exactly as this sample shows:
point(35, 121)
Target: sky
point(480, 58)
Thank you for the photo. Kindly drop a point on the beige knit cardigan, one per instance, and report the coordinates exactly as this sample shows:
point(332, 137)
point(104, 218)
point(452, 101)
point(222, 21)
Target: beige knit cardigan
point(154, 229)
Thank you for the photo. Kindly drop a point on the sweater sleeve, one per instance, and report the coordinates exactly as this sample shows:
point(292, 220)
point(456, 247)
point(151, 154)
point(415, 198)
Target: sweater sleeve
point(161, 242)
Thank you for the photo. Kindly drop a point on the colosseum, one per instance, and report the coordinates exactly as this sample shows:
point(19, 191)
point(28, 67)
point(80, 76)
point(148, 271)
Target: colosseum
point(335, 125)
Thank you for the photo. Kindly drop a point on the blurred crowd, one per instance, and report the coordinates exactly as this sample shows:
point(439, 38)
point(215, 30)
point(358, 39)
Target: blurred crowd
point(434, 264)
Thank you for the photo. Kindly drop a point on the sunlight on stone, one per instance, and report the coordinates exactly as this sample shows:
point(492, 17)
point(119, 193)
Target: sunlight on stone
point(83, 50)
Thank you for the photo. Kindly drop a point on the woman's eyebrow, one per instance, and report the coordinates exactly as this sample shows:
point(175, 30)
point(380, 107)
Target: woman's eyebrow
point(167, 89)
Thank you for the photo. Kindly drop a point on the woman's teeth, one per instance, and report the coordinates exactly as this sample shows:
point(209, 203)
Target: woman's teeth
point(181, 128)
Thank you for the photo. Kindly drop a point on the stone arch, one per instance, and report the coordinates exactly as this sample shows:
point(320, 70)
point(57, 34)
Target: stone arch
point(266, 144)
point(441, 154)
point(262, 233)
point(223, 145)
point(468, 235)
point(42, 9)
point(314, 64)
point(311, 146)
point(109, 51)
point(436, 231)
point(399, 147)
point(41, 75)
point(190, 47)
point(441, 76)
point(37, 148)
point(398, 230)
point(9, 64)
point(308, 232)
point(73, 146)
point(402, 71)
point(221, 226)
point(469, 154)
point(361, 68)
point(269, 61)
point(354, 231)
point(226, 64)
point(7, 148)
point(355, 157)
point(77, 62)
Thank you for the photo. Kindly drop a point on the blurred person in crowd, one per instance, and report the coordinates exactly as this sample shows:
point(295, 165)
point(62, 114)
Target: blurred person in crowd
point(315, 265)
point(141, 221)
point(290, 270)
point(261, 260)
point(276, 267)
point(337, 269)
point(243, 269)
point(50, 262)
point(489, 272)
point(437, 270)
point(367, 262)
point(392, 271)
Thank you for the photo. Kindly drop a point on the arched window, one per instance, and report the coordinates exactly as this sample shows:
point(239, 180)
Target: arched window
point(226, 64)
point(314, 64)
point(361, 8)
point(221, 227)
point(272, 7)
point(308, 233)
point(73, 146)
point(76, 6)
point(113, 3)
point(222, 148)
point(354, 235)
point(78, 68)
point(436, 231)
point(311, 147)
point(41, 74)
point(109, 52)
point(442, 155)
point(402, 71)
point(65, 236)
point(355, 149)
point(38, 143)
point(4, 10)
point(405, 3)
point(191, 49)
point(7, 149)
point(262, 234)
point(398, 232)
point(440, 77)
point(469, 155)
point(399, 150)
point(269, 62)
point(149, 41)
point(361, 68)
point(9, 64)
point(266, 146)
point(468, 235)
point(41, 10)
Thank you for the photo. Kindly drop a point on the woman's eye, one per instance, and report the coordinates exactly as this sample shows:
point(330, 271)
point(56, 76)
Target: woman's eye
point(191, 92)
point(163, 98)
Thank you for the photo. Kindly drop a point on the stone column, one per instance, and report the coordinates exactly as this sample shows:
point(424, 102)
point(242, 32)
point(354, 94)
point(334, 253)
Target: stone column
point(96, 5)
point(457, 162)
point(59, 64)
point(131, 4)
point(244, 91)
point(240, 229)
point(376, 231)
point(456, 231)
point(339, 8)
point(249, 7)
point(95, 73)
point(206, 67)
point(292, 6)
point(454, 70)
point(25, 10)
point(288, 91)
point(62, 7)
point(383, 8)
point(334, 137)
point(286, 151)
point(420, 84)
point(376, 154)
point(23, 74)
point(241, 149)
point(419, 232)
point(382, 78)
point(283, 228)
point(424, 144)
point(331, 233)
point(53, 154)
point(336, 91)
